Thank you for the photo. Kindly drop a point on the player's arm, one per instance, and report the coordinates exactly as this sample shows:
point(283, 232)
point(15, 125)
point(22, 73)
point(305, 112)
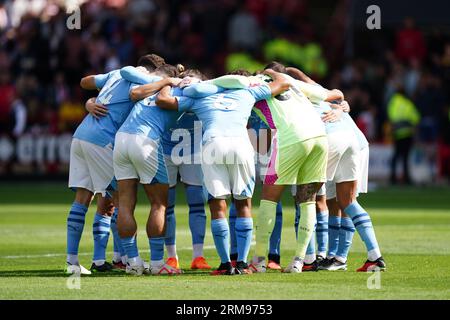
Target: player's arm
point(299, 75)
point(279, 82)
point(88, 83)
point(165, 100)
point(146, 90)
point(231, 81)
point(201, 90)
point(97, 110)
point(135, 75)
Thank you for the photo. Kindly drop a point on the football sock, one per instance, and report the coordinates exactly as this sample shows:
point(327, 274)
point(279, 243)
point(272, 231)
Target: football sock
point(265, 221)
point(100, 230)
point(275, 238)
point(306, 225)
point(346, 233)
point(232, 218)
point(156, 250)
point(171, 224)
point(129, 244)
point(221, 234)
point(75, 224)
point(297, 219)
point(363, 225)
point(322, 233)
point(244, 230)
point(119, 252)
point(197, 218)
point(334, 224)
point(310, 256)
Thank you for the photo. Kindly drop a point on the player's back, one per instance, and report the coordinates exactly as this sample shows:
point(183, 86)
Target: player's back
point(224, 114)
point(292, 115)
point(115, 96)
point(187, 121)
point(149, 120)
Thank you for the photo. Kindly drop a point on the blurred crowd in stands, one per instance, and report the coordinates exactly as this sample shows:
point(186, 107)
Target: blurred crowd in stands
point(42, 61)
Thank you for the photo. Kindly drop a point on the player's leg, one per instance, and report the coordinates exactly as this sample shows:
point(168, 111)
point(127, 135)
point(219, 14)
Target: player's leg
point(274, 256)
point(171, 224)
point(157, 194)
point(80, 181)
point(100, 231)
point(120, 256)
point(334, 226)
point(233, 244)
point(170, 239)
point(197, 225)
point(322, 226)
point(127, 226)
point(346, 195)
point(244, 231)
point(265, 223)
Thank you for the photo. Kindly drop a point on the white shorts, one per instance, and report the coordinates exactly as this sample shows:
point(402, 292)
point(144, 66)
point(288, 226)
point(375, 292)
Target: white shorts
point(228, 167)
point(139, 157)
point(343, 157)
point(190, 173)
point(91, 166)
point(363, 178)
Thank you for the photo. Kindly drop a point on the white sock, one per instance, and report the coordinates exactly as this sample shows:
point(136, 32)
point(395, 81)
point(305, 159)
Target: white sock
point(341, 259)
point(374, 254)
point(171, 250)
point(310, 258)
point(322, 254)
point(156, 263)
point(124, 259)
point(72, 259)
point(98, 262)
point(197, 250)
point(136, 261)
point(117, 257)
point(330, 257)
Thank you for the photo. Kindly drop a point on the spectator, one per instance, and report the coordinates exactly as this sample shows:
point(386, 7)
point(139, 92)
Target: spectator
point(243, 30)
point(404, 117)
point(410, 43)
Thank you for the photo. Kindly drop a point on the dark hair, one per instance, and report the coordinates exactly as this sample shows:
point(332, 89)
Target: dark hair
point(276, 66)
point(240, 72)
point(168, 70)
point(151, 62)
point(193, 73)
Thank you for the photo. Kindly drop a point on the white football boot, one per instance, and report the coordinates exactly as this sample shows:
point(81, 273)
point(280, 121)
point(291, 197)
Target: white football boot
point(164, 269)
point(76, 269)
point(135, 266)
point(258, 265)
point(295, 266)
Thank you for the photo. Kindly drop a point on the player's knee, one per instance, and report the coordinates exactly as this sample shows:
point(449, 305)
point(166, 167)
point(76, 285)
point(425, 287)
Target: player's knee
point(83, 196)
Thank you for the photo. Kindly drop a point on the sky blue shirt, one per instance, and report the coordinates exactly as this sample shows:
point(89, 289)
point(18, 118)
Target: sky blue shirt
point(226, 113)
point(114, 94)
point(186, 121)
point(151, 121)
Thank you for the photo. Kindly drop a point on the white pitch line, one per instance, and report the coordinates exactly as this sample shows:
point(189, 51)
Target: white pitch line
point(52, 255)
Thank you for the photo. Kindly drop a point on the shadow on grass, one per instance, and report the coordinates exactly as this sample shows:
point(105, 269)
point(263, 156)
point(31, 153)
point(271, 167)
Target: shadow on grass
point(58, 273)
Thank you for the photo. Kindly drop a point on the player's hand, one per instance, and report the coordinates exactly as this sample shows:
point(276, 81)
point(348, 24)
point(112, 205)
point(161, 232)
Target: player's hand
point(97, 110)
point(332, 115)
point(345, 106)
point(174, 82)
point(270, 72)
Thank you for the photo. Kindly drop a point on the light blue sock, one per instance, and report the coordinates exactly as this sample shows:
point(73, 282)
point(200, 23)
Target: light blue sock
point(100, 230)
point(363, 224)
point(346, 233)
point(171, 222)
point(75, 225)
point(275, 238)
point(322, 232)
point(117, 242)
point(156, 248)
point(232, 218)
point(197, 215)
point(221, 234)
point(244, 231)
point(129, 244)
point(334, 224)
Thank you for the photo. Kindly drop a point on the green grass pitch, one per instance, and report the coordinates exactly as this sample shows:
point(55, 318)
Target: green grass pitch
point(412, 225)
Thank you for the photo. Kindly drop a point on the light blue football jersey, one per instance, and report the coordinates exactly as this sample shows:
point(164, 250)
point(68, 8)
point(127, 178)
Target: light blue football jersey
point(187, 122)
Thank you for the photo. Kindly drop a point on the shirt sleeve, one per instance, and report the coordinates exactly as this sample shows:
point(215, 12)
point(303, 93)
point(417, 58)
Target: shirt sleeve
point(260, 92)
point(316, 93)
point(201, 90)
point(100, 79)
point(132, 74)
point(184, 103)
point(232, 82)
